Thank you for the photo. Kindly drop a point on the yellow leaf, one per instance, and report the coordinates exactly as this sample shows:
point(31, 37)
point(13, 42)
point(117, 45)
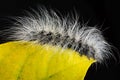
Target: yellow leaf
point(20, 60)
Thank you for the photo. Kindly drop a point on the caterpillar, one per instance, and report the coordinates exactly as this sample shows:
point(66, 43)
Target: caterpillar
point(46, 27)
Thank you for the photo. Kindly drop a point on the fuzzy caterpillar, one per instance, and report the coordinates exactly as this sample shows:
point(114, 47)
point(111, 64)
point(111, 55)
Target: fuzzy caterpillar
point(46, 27)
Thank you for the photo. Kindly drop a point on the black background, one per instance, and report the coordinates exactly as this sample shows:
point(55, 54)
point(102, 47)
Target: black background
point(103, 13)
